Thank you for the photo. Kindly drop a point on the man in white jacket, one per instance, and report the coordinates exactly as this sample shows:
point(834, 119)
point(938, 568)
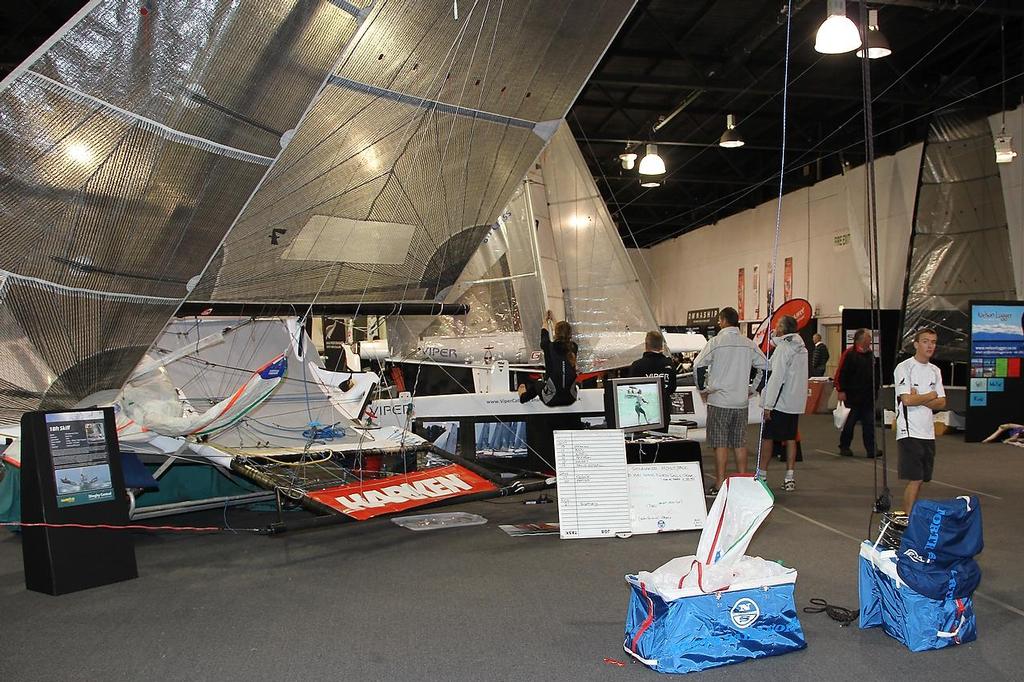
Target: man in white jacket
point(728, 371)
point(784, 399)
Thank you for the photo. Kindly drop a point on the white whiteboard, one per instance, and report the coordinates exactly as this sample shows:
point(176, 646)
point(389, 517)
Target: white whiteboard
point(593, 490)
point(666, 497)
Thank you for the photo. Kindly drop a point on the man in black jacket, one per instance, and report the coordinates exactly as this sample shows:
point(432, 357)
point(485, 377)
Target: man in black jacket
point(855, 386)
point(819, 359)
point(655, 363)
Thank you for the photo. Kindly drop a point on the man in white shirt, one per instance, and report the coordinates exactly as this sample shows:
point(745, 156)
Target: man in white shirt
point(919, 390)
point(728, 371)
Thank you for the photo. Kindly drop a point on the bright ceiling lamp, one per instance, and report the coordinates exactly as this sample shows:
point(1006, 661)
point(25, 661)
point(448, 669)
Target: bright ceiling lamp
point(878, 45)
point(837, 34)
point(652, 164)
point(730, 138)
point(652, 168)
point(1004, 148)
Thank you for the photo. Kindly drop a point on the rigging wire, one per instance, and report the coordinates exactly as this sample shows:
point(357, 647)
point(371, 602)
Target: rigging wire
point(880, 502)
point(778, 209)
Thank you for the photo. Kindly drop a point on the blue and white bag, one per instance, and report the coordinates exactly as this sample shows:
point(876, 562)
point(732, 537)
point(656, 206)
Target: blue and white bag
point(917, 621)
point(936, 555)
point(718, 606)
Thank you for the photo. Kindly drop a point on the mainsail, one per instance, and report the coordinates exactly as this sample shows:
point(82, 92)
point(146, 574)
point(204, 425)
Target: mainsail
point(383, 137)
point(557, 211)
point(960, 243)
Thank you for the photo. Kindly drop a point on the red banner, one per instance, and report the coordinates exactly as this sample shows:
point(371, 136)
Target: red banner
point(798, 308)
point(378, 496)
point(787, 279)
point(757, 293)
point(741, 294)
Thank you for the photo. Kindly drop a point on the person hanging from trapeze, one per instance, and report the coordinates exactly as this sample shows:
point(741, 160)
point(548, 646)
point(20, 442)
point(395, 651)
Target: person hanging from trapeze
point(558, 386)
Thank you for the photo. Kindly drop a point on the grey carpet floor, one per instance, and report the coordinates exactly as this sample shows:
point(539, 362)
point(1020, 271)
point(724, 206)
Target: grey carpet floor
point(374, 601)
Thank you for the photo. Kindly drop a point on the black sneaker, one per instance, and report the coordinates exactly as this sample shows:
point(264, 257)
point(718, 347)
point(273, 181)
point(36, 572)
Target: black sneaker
point(872, 455)
point(845, 452)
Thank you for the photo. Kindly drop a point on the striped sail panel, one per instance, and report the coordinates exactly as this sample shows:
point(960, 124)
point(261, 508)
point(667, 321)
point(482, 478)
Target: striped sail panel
point(129, 143)
point(429, 123)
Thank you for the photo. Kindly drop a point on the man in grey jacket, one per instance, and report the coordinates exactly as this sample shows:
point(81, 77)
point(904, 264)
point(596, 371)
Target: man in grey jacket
point(784, 399)
point(728, 371)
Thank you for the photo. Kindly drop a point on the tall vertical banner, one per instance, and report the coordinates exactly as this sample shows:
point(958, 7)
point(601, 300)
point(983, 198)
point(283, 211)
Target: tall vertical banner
point(741, 291)
point(757, 294)
point(787, 280)
point(997, 353)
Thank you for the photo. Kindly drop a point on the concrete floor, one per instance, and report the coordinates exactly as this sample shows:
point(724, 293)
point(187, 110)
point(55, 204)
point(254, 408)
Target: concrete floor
point(373, 601)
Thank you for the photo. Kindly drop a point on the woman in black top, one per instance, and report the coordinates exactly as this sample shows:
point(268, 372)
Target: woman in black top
point(558, 387)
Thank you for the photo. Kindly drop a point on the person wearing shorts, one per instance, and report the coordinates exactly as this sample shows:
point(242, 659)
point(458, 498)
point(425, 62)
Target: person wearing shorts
point(728, 371)
point(919, 390)
point(784, 398)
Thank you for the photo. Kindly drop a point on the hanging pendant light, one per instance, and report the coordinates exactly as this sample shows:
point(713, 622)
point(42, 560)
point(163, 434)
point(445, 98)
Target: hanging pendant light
point(837, 34)
point(878, 44)
point(1003, 142)
point(731, 138)
point(1004, 148)
point(652, 168)
point(628, 160)
point(652, 164)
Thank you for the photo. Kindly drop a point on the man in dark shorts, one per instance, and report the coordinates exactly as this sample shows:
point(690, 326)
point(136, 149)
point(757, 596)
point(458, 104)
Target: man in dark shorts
point(919, 390)
point(784, 399)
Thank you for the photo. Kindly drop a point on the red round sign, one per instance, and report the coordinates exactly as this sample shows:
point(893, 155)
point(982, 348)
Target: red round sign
point(798, 308)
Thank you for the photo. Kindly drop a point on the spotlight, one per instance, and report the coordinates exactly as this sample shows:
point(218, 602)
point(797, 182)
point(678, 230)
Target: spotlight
point(878, 45)
point(837, 34)
point(1004, 148)
point(652, 168)
point(730, 138)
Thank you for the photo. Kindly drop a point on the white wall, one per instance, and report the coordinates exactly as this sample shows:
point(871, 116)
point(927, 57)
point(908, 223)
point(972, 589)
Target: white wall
point(822, 229)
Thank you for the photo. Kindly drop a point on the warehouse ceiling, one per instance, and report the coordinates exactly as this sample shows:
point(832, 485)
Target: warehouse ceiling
point(694, 61)
point(682, 65)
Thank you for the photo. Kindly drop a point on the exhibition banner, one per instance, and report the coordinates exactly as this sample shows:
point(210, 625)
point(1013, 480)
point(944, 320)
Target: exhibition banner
point(757, 293)
point(996, 390)
point(375, 497)
point(787, 279)
point(741, 291)
point(799, 308)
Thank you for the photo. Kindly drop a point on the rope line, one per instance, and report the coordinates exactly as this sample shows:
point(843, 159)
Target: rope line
point(778, 209)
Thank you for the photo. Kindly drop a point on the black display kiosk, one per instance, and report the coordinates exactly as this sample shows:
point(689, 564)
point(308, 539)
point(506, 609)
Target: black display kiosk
point(71, 474)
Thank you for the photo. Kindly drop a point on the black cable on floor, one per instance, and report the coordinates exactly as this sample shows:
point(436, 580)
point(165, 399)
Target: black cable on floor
point(837, 613)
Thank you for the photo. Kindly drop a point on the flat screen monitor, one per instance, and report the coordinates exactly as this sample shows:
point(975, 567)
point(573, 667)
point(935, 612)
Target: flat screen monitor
point(637, 404)
point(682, 403)
point(501, 439)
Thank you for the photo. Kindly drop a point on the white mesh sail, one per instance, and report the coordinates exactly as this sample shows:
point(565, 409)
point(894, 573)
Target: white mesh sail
point(604, 299)
point(132, 142)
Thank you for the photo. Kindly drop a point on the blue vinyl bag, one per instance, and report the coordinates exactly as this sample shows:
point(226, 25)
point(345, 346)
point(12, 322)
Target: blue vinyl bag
point(717, 606)
point(709, 630)
point(917, 621)
point(945, 528)
point(936, 555)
